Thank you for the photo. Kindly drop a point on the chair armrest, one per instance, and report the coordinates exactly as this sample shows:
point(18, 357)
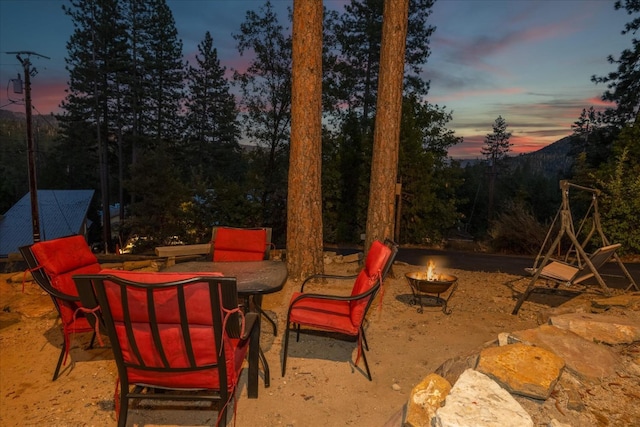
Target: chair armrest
point(325, 276)
point(372, 290)
point(43, 282)
point(250, 320)
point(84, 285)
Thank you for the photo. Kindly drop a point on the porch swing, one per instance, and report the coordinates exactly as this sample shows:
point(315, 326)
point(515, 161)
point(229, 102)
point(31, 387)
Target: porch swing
point(576, 265)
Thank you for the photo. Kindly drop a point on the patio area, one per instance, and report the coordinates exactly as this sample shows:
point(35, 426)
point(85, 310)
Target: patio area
point(321, 387)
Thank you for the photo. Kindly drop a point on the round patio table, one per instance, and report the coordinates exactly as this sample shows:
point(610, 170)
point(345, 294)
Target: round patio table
point(253, 280)
point(252, 277)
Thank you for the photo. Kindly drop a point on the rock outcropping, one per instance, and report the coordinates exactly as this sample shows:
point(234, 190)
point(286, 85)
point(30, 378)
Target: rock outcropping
point(550, 375)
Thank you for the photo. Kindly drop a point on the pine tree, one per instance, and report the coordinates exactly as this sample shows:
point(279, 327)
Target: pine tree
point(623, 85)
point(97, 54)
point(496, 147)
point(164, 74)
point(429, 205)
point(266, 104)
point(304, 213)
point(381, 215)
point(211, 134)
point(353, 57)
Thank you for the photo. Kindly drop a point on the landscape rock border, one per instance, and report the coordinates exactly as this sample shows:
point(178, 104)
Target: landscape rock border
point(576, 347)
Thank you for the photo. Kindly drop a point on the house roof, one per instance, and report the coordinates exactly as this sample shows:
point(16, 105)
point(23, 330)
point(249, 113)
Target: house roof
point(61, 213)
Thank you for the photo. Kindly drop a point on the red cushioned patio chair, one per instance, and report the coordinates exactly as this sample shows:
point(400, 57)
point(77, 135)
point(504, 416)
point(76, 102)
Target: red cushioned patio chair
point(241, 244)
point(232, 244)
point(174, 332)
point(52, 264)
point(342, 314)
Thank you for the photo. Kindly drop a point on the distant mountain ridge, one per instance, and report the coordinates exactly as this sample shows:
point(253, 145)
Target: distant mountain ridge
point(550, 161)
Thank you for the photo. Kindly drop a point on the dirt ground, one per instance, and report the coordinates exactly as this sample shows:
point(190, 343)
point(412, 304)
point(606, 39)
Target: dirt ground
point(321, 386)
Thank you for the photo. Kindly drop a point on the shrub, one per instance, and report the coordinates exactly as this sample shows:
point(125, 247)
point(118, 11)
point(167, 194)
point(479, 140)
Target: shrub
point(516, 230)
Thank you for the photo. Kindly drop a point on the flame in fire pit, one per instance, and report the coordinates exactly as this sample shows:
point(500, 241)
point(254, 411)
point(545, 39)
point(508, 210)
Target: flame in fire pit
point(431, 271)
point(430, 275)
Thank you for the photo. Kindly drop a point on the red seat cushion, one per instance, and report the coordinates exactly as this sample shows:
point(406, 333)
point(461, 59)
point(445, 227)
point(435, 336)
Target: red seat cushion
point(332, 315)
point(239, 244)
point(171, 335)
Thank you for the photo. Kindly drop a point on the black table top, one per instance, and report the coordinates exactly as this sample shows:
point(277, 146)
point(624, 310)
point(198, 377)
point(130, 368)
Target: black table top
point(253, 277)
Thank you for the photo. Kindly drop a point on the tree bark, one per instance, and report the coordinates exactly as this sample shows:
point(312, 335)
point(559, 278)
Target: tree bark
point(386, 136)
point(304, 205)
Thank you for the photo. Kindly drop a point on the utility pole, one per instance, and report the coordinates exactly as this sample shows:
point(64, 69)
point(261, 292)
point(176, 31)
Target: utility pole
point(33, 187)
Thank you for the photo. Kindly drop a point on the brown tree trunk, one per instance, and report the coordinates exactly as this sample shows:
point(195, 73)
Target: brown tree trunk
point(304, 205)
point(386, 136)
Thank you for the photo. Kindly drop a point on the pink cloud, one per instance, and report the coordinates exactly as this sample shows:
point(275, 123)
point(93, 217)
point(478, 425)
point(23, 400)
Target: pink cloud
point(465, 94)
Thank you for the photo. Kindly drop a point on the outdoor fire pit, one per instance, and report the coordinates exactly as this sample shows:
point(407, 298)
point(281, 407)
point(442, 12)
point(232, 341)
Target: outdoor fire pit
point(432, 287)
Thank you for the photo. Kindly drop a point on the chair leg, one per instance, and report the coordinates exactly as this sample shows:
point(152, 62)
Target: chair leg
point(93, 339)
point(222, 414)
point(60, 359)
point(124, 404)
point(285, 347)
point(364, 339)
point(361, 351)
point(265, 367)
point(366, 364)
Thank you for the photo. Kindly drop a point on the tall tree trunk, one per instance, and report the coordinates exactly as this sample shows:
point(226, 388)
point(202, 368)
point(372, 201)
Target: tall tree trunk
point(386, 136)
point(304, 206)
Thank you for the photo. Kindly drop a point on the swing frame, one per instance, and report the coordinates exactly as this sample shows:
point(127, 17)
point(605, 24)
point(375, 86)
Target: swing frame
point(582, 259)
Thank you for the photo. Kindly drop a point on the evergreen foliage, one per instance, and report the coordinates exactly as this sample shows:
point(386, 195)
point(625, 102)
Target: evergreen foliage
point(429, 205)
point(265, 87)
point(210, 144)
point(169, 133)
point(161, 216)
point(623, 85)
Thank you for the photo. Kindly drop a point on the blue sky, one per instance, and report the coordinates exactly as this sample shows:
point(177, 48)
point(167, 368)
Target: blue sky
point(529, 61)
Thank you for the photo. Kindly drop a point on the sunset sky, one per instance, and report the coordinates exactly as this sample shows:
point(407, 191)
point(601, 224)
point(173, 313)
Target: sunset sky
point(529, 61)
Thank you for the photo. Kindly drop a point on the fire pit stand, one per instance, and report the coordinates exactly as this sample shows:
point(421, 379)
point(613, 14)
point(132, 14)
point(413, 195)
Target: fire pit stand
point(432, 290)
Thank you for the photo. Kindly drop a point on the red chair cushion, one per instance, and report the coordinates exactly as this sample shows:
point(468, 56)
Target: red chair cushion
point(343, 316)
point(168, 319)
point(367, 278)
point(332, 315)
point(63, 255)
point(238, 244)
point(61, 259)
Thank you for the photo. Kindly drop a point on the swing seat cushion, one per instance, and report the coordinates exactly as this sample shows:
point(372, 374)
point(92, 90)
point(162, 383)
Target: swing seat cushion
point(562, 272)
point(559, 271)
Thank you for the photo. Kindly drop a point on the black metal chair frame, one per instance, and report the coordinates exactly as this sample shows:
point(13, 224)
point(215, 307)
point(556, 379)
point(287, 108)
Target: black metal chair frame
point(228, 291)
point(43, 281)
point(371, 294)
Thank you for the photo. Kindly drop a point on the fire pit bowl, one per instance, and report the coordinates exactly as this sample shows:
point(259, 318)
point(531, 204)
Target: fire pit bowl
point(432, 289)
